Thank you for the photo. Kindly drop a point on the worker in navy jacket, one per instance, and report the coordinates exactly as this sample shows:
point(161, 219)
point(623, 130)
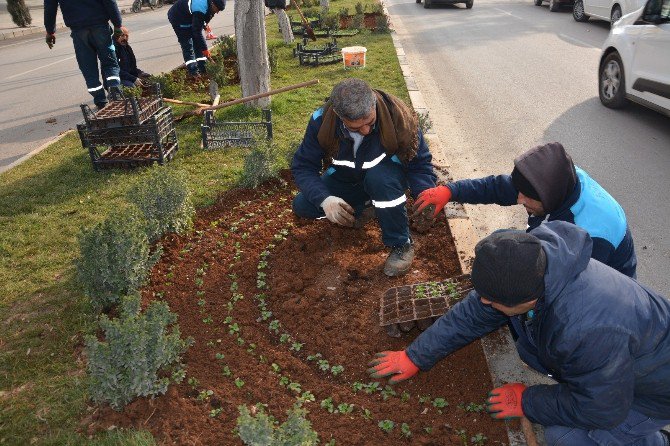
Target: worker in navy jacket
point(131, 75)
point(362, 150)
point(92, 39)
point(603, 337)
point(547, 183)
point(188, 19)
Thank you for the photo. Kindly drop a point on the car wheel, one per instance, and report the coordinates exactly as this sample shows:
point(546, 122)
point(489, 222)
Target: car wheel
point(538, 2)
point(427, 4)
point(612, 82)
point(469, 3)
point(616, 14)
point(578, 11)
point(554, 5)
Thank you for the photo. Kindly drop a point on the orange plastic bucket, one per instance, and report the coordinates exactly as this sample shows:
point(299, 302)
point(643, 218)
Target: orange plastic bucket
point(354, 56)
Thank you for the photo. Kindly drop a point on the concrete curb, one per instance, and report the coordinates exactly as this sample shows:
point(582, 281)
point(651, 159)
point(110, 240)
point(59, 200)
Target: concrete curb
point(34, 152)
point(498, 347)
point(20, 32)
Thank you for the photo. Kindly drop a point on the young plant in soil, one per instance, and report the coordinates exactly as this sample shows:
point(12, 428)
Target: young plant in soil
point(479, 439)
point(386, 425)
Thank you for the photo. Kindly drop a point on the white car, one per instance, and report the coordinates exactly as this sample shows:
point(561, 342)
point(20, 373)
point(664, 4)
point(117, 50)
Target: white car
point(608, 10)
point(635, 62)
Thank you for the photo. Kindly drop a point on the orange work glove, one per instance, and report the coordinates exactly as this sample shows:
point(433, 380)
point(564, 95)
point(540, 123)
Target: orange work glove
point(439, 196)
point(504, 402)
point(207, 54)
point(392, 363)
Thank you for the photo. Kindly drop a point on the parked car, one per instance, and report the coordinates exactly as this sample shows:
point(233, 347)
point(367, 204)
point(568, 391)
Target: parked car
point(635, 62)
point(608, 10)
point(554, 5)
point(428, 3)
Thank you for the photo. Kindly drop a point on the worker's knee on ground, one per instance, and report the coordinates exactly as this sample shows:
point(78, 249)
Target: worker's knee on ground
point(303, 208)
point(383, 180)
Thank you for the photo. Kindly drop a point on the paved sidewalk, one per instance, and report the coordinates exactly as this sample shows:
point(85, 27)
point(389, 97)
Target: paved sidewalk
point(9, 30)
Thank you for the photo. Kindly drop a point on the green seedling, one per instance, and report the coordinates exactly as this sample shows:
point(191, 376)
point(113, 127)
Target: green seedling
point(274, 326)
point(306, 396)
point(473, 407)
point(201, 303)
point(233, 329)
point(367, 414)
point(204, 395)
point(428, 430)
point(406, 432)
point(336, 370)
point(200, 293)
point(314, 357)
point(284, 381)
point(198, 281)
point(479, 439)
point(215, 412)
point(239, 383)
point(328, 405)
point(296, 346)
point(404, 397)
point(239, 341)
point(294, 387)
point(284, 338)
point(252, 348)
point(226, 371)
point(386, 425)
point(228, 320)
point(357, 386)
point(345, 408)
point(208, 320)
point(275, 368)
point(178, 375)
point(323, 365)
point(440, 403)
point(159, 294)
point(219, 356)
point(424, 399)
point(193, 382)
point(262, 264)
point(388, 392)
point(372, 387)
point(210, 343)
point(234, 287)
point(265, 315)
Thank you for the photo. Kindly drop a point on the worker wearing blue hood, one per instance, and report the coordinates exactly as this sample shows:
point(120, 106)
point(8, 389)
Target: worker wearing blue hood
point(549, 186)
point(601, 335)
point(188, 19)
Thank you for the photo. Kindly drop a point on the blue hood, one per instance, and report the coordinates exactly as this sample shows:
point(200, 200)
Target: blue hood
point(568, 249)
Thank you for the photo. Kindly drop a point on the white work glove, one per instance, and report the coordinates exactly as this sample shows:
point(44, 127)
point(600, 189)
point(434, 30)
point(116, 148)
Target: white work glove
point(338, 211)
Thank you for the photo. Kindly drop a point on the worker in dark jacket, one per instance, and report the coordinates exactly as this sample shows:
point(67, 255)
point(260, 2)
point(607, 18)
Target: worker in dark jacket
point(92, 38)
point(547, 183)
point(372, 150)
point(131, 76)
point(188, 19)
point(601, 335)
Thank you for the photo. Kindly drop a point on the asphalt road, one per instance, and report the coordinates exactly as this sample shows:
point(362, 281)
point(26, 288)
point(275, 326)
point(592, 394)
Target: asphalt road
point(507, 75)
point(41, 89)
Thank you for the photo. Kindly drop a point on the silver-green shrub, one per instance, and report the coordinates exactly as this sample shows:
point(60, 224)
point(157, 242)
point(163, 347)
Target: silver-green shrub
point(261, 429)
point(164, 198)
point(115, 258)
point(261, 164)
point(136, 354)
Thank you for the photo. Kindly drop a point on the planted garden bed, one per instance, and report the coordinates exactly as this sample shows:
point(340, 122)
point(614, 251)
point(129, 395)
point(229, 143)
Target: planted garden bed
point(283, 309)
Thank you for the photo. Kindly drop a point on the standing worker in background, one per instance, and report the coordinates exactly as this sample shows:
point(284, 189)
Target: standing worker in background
point(92, 39)
point(547, 183)
point(603, 337)
point(188, 19)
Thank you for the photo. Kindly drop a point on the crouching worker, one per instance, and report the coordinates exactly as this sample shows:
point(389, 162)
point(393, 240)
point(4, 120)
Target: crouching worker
point(549, 186)
point(372, 150)
point(601, 335)
point(131, 76)
point(188, 19)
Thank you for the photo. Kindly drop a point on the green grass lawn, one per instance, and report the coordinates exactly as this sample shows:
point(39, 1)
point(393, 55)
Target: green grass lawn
point(46, 201)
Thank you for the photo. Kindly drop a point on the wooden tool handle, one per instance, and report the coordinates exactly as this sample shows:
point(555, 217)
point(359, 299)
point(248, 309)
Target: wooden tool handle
point(261, 95)
point(194, 104)
point(527, 429)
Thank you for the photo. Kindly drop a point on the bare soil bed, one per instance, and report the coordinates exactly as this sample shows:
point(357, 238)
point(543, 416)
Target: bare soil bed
point(249, 257)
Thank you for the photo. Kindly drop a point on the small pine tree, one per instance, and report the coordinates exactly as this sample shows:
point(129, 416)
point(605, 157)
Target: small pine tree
point(19, 12)
point(138, 348)
point(261, 429)
point(261, 164)
point(163, 197)
point(115, 258)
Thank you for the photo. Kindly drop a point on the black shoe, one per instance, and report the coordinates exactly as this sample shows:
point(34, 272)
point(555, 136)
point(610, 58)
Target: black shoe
point(399, 260)
point(666, 434)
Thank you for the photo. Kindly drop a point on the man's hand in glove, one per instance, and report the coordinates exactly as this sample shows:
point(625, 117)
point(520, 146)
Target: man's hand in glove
point(504, 402)
point(438, 196)
point(208, 55)
point(51, 40)
point(338, 211)
point(392, 363)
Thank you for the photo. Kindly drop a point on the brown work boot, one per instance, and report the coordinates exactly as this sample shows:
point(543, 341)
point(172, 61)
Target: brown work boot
point(366, 215)
point(399, 260)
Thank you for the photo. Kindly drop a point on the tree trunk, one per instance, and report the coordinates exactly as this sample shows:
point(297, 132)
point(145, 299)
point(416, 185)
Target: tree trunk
point(19, 12)
point(252, 50)
point(284, 25)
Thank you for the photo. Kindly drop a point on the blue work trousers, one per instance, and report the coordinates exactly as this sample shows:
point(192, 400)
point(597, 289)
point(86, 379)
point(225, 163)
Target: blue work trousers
point(90, 44)
point(636, 430)
point(194, 63)
point(383, 185)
